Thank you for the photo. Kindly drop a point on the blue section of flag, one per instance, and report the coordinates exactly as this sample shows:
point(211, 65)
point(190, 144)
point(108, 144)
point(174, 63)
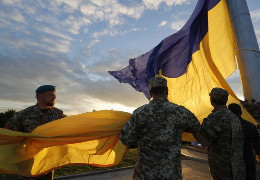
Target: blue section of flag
point(172, 55)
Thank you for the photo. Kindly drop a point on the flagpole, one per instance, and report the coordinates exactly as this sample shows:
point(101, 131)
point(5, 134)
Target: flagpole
point(247, 47)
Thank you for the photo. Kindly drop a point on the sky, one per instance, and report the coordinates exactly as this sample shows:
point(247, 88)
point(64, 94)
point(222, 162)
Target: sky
point(73, 43)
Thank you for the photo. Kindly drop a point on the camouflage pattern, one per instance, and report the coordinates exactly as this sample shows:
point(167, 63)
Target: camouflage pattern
point(156, 82)
point(219, 95)
point(26, 121)
point(224, 132)
point(156, 130)
point(32, 117)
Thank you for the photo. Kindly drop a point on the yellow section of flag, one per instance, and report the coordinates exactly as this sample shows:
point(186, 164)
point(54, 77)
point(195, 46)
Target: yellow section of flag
point(90, 138)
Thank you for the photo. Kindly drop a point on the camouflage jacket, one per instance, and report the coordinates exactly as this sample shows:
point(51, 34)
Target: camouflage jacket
point(30, 118)
point(225, 134)
point(156, 130)
point(26, 121)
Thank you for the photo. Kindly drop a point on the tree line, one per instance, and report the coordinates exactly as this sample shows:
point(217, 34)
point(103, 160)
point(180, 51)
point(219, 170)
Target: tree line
point(6, 116)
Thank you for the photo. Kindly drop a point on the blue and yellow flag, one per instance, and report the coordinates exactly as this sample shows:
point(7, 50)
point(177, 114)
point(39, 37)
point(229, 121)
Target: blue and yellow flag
point(89, 138)
point(194, 60)
point(199, 57)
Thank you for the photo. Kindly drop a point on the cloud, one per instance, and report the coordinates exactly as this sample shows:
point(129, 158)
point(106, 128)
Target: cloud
point(257, 32)
point(77, 91)
point(181, 14)
point(107, 61)
point(255, 15)
point(82, 13)
point(89, 10)
point(74, 24)
point(177, 25)
point(49, 13)
point(154, 4)
point(33, 42)
point(14, 15)
point(105, 32)
point(110, 11)
point(17, 16)
point(93, 42)
point(71, 24)
point(53, 32)
point(134, 29)
point(163, 23)
point(74, 5)
point(62, 46)
point(235, 83)
point(9, 2)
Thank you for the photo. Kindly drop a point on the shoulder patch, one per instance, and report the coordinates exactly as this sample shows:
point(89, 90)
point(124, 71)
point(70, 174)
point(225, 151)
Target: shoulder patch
point(127, 126)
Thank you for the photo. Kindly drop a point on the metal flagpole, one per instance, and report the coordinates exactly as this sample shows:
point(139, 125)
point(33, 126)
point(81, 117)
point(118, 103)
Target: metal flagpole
point(247, 47)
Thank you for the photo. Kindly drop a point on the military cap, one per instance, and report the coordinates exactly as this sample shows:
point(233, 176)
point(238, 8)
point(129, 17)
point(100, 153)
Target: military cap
point(157, 81)
point(45, 88)
point(219, 94)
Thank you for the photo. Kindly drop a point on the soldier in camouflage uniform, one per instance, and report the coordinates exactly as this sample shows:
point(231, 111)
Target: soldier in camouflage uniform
point(156, 130)
point(251, 138)
point(30, 118)
point(224, 138)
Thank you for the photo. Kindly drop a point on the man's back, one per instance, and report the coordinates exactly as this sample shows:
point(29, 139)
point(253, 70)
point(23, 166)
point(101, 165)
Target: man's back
point(251, 137)
point(224, 132)
point(163, 123)
point(157, 130)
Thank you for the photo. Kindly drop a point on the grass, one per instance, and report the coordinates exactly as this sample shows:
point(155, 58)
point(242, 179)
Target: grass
point(129, 160)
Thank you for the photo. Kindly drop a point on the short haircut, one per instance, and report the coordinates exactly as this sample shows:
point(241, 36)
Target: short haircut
point(219, 101)
point(158, 90)
point(235, 108)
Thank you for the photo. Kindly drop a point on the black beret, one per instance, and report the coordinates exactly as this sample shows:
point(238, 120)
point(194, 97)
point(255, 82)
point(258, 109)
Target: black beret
point(45, 88)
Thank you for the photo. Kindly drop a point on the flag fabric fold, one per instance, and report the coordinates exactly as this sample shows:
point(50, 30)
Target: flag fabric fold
point(199, 57)
point(89, 138)
point(172, 55)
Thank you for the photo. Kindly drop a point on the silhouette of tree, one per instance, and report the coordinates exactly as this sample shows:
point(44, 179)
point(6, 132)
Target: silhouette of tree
point(6, 116)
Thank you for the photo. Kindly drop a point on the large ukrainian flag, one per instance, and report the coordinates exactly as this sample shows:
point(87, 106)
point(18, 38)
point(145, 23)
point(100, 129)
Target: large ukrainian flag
point(197, 58)
point(194, 60)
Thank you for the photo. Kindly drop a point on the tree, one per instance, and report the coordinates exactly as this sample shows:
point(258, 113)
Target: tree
point(6, 116)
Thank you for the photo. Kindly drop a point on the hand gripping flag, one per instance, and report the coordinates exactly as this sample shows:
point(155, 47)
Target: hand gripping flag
point(199, 57)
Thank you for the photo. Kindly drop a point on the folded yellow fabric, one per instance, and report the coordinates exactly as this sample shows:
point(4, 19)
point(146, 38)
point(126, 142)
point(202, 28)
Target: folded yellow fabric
point(89, 138)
